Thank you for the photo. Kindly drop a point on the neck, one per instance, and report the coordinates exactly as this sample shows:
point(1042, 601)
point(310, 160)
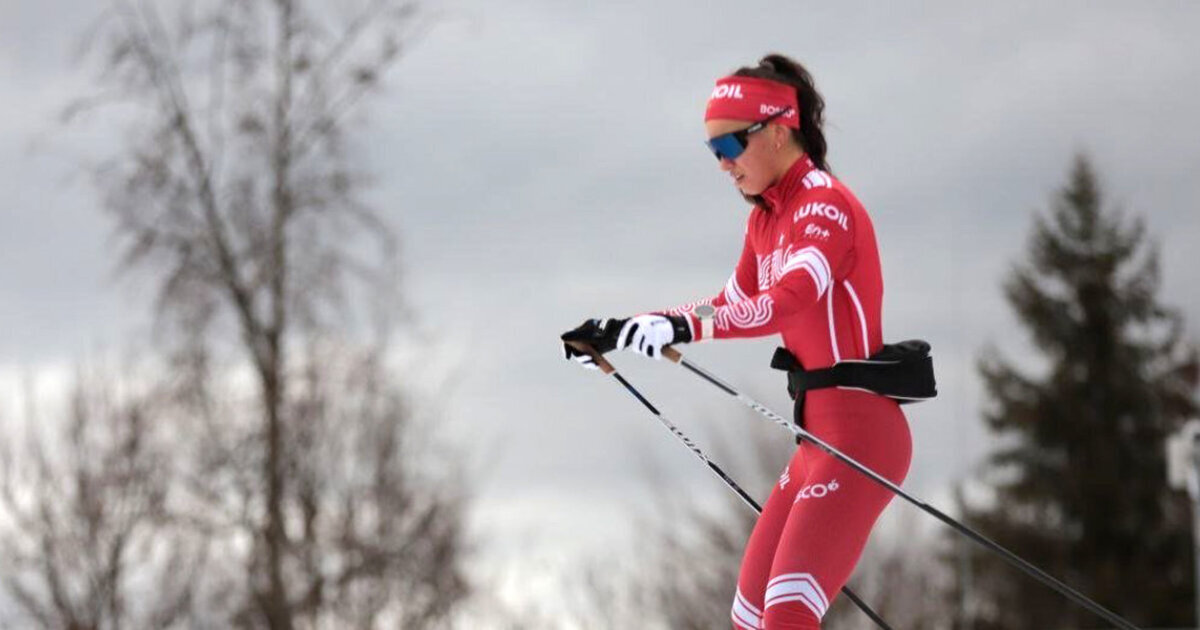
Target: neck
point(788, 154)
point(786, 183)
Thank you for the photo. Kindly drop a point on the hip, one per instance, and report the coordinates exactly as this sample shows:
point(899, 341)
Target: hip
point(861, 424)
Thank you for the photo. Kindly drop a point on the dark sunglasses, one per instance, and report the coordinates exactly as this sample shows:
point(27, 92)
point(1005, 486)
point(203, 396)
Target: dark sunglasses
point(729, 146)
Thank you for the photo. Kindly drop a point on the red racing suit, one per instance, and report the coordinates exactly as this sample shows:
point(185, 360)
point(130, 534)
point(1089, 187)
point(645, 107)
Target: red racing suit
point(810, 271)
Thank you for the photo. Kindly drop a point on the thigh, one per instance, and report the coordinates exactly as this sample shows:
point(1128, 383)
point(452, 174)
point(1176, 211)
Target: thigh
point(760, 548)
point(828, 524)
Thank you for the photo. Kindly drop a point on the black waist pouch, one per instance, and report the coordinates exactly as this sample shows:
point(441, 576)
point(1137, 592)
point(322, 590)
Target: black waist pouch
point(902, 371)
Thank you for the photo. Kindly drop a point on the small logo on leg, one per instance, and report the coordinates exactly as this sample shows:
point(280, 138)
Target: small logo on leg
point(816, 490)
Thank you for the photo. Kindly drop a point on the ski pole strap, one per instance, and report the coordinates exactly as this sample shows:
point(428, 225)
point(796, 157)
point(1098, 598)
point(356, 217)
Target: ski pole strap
point(902, 372)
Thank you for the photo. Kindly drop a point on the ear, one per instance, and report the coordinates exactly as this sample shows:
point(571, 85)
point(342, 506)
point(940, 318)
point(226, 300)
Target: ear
point(780, 135)
point(783, 135)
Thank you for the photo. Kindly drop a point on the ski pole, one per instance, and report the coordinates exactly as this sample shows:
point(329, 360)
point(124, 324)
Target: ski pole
point(675, 356)
point(607, 368)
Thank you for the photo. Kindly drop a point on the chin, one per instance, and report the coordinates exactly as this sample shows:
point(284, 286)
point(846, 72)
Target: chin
point(751, 191)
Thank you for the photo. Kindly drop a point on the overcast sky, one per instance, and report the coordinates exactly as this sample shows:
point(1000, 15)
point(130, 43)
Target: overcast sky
point(543, 163)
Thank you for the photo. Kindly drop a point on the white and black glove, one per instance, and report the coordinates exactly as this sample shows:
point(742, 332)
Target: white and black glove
point(648, 334)
point(601, 335)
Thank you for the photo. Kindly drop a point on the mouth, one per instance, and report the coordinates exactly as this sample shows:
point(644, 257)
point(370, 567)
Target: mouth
point(737, 179)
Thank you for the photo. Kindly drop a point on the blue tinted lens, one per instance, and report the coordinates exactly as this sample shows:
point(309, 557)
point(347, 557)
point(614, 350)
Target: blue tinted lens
point(726, 146)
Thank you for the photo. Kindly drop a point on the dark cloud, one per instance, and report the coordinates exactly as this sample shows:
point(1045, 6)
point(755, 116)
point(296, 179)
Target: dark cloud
point(544, 163)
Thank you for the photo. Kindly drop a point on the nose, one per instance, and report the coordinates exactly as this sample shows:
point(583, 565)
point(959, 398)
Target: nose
point(726, 164)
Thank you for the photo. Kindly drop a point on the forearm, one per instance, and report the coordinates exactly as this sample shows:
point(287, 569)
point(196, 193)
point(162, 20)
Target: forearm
point(765, 314)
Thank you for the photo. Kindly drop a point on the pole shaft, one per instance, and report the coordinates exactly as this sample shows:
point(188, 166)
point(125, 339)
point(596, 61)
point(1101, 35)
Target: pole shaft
point(1011, 558)
point(608, 369)
point(745, 496)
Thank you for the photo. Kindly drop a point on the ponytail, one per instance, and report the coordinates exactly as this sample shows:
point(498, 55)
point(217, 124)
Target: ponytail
point(809, 136)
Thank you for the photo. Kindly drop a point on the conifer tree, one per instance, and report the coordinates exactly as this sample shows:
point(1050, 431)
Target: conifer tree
point(1080, 476)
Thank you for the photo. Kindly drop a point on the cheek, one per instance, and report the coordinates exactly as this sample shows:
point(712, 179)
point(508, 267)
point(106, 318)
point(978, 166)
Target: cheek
point(757, 169)
point(756, 158)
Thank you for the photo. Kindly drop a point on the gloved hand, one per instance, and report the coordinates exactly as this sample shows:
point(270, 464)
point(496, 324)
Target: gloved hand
point(648, 334)
point(601, 335)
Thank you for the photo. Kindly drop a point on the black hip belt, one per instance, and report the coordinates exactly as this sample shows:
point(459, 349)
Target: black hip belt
point(902, 371)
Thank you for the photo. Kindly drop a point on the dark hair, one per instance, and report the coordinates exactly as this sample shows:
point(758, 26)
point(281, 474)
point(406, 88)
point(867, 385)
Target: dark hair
point(809, 136)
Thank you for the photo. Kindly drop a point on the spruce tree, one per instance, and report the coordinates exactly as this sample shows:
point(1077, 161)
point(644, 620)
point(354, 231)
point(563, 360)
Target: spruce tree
point(1080, 476)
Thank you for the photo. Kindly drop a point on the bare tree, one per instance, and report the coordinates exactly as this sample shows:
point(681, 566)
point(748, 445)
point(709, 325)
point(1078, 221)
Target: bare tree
point(296, 452)
point(84, 519)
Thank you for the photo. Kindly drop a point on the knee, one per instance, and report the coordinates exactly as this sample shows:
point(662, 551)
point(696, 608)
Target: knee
point(794, 602)
point(745, 615)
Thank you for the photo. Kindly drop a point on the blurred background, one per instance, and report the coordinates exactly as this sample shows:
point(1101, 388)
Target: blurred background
point(281, 285)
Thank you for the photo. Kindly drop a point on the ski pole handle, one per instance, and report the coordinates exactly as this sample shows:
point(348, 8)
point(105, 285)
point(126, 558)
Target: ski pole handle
point(671, 354)
point(601, 362)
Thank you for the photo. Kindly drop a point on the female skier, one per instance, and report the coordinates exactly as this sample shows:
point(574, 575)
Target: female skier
point(810, 272)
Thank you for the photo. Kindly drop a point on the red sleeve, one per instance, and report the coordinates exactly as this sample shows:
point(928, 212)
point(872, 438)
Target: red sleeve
point(819, 242)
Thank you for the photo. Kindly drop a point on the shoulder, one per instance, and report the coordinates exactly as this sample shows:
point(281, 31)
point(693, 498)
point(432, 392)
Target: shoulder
point(820, 186)
point(817, 179)
point(827, 207)
point(827, 197)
